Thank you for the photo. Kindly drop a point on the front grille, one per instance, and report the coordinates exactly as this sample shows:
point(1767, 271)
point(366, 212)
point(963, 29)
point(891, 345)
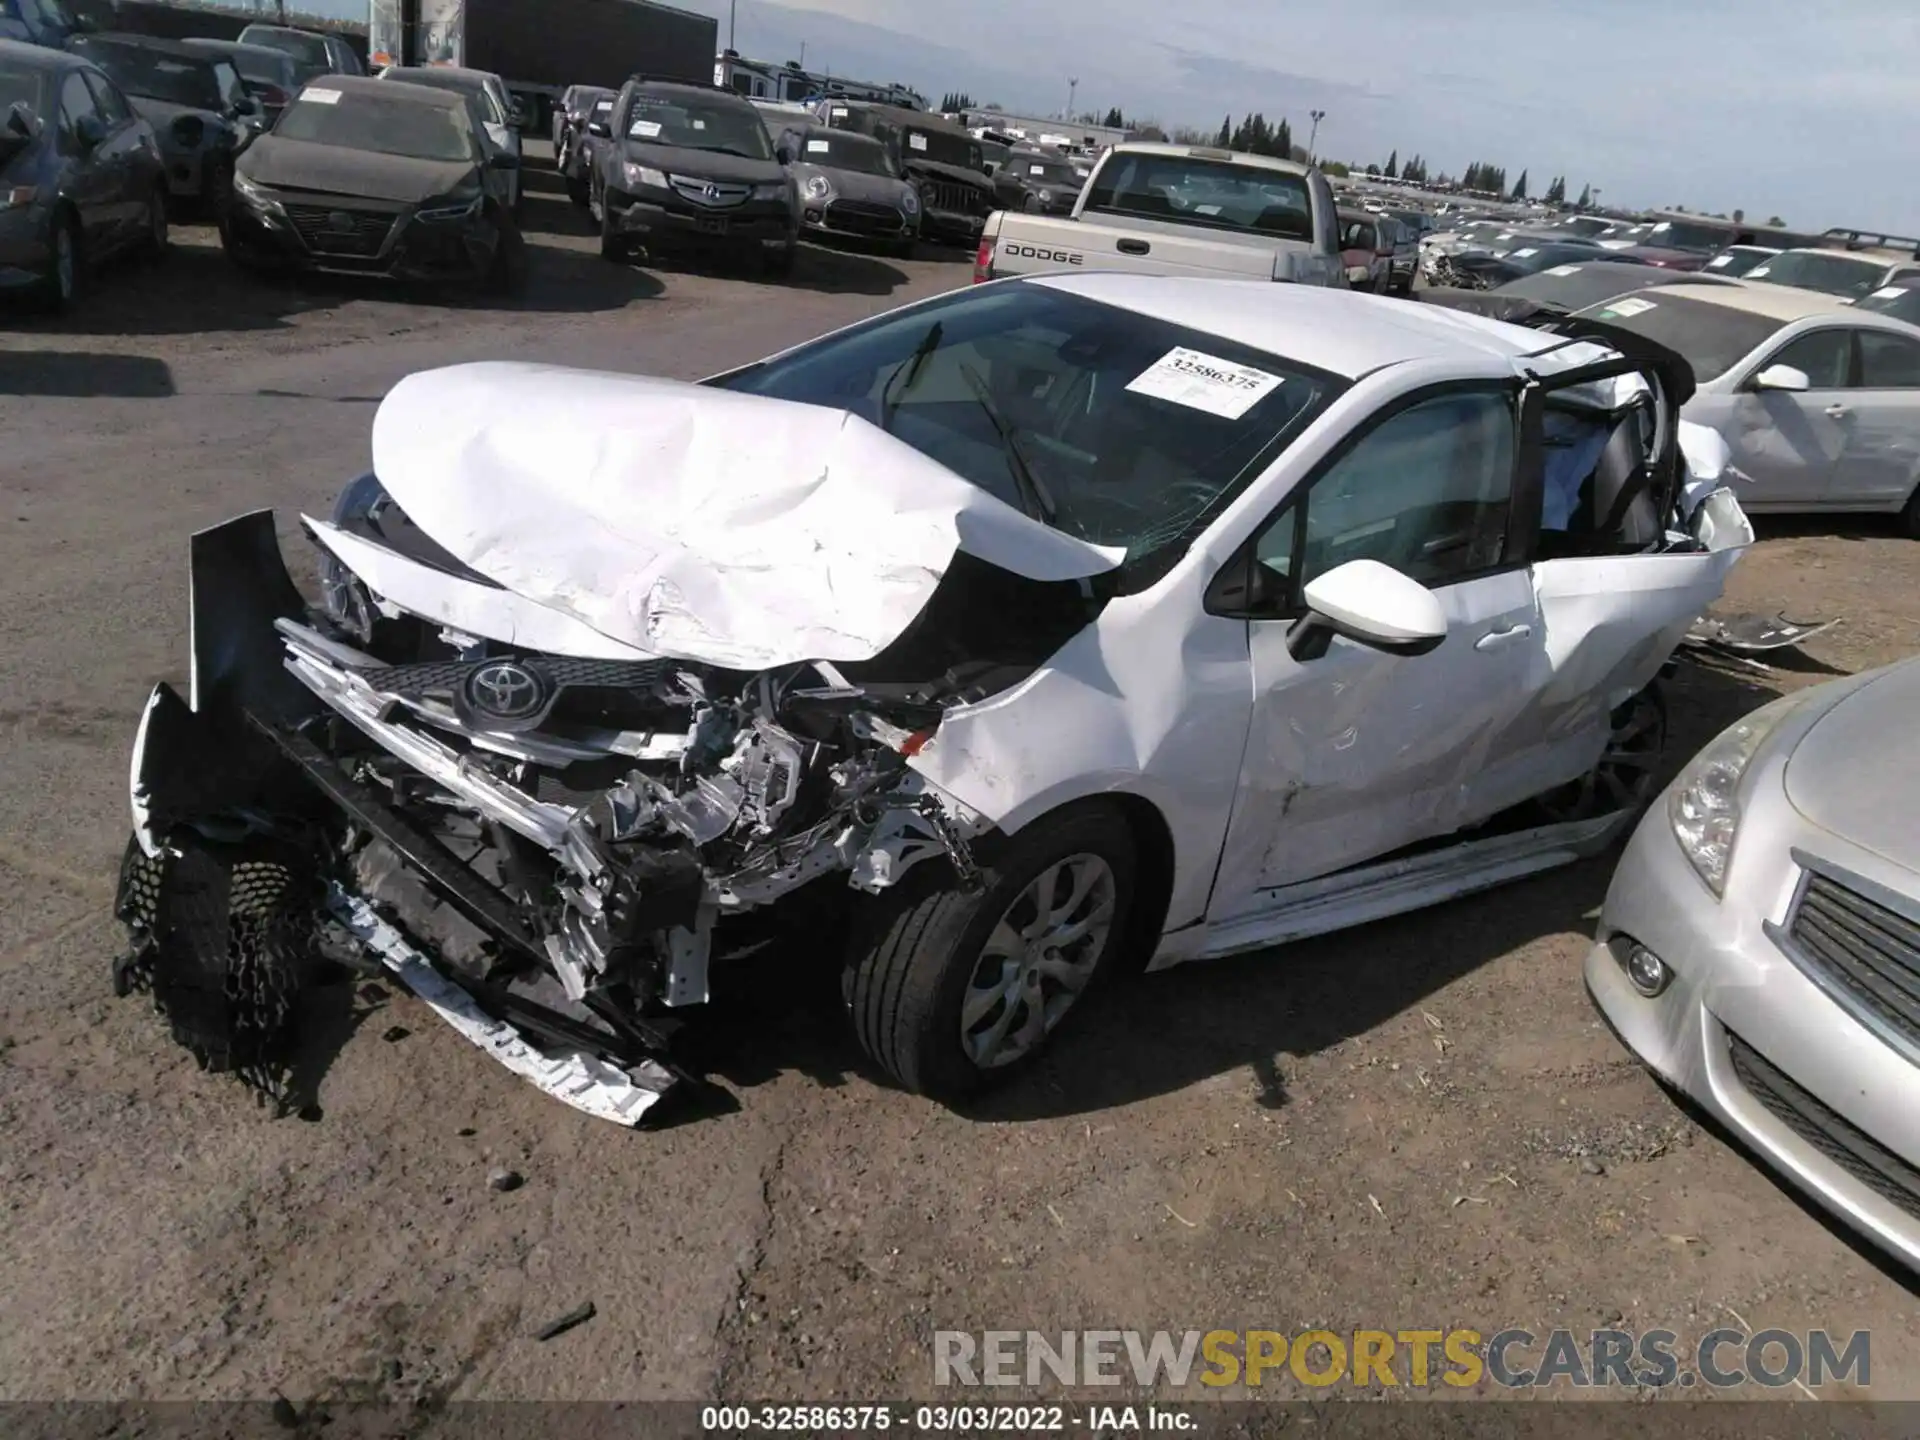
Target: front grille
point(337, 230)
point(444, 677)
point(710, 192)
point(1852, 1149)
point(951, 198)
point(1862, 953)
point(863, 217)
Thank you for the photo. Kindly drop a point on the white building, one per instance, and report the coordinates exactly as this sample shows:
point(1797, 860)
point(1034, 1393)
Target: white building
point(1044, 130)
point(765, 80)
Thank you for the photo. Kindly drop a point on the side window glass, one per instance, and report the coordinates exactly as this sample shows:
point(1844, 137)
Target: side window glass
point(1888, 362)
point(111, 103)
point(1426, 491)
point(1825, 355)
point(75, 102)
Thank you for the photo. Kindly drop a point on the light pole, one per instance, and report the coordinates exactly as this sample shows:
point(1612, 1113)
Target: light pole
point(1313, 135)
point(1073, 84)
point(733, 10)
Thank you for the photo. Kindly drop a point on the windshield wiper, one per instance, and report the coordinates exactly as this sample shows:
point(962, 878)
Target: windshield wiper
point(1034, 498)
point(906, 373)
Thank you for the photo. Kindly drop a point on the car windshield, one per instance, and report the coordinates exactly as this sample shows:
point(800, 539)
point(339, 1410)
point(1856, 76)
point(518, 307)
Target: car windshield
point(844, 150)
point(1900, 301)
point(1111, 426)
point(942, 148)
point(1845, 275)
point(1688, 235)
point(1220, 194)
point(480, 102)
point(1712, 338)
point(1586, 226)
point(1533, 257)
point(308, 51)
point(360, 121)
point(1045, 171)
point(698, 124)
point(21, 84)
point(1737, 261)
point(153, 74)
point(264, 66)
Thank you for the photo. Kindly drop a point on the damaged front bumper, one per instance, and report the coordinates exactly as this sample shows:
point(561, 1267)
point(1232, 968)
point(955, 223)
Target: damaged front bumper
point(553, 872)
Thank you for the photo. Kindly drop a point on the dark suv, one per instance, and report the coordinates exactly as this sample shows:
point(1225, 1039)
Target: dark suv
point(690, 169)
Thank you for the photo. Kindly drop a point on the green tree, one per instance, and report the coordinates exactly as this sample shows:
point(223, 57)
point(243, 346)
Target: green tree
point(1226, 133)
point(1586, 198)
point(1392, 172)
point(1115, 120)
point(1520, 187)
point(1777, 223)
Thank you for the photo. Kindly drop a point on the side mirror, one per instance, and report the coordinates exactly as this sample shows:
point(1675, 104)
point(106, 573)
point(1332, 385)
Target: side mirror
point(505, 160)
point(90, 130)
point(1782, 377)
point(1371, 603)
point(516, 112)
point(22, 121)
point(599, 129)
point(783, 152)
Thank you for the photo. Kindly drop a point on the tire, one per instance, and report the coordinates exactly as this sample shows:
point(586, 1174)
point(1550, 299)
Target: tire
point(216, 195)
point(60, 284)
point(511, 264)
point(153, 245)
point(1625, 775)
point(577, 190)
point(905, 249)
point(1910, 517)
point(613, 245)
point(779, 263)
point(914, 953)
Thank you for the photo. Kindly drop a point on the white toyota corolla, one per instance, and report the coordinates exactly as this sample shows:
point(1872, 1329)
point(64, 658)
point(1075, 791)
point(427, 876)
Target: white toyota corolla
point(1004, 640)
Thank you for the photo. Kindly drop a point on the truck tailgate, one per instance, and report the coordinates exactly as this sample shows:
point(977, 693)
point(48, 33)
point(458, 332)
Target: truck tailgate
point(1032, 244)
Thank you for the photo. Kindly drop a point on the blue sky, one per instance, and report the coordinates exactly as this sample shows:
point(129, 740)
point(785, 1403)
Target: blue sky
point(1772, 106)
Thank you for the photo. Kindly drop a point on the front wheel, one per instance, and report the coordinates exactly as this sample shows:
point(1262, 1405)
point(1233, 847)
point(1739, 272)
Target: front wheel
point(613, 245)
point(510, 261)
point(950, 991)
point(153, 244)
point(59, 283)
point(1624, 777)
point(779, 261)
point(1910, 517)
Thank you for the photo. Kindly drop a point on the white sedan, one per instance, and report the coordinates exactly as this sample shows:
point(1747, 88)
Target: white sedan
point(1004, 641)
point(1817, 398)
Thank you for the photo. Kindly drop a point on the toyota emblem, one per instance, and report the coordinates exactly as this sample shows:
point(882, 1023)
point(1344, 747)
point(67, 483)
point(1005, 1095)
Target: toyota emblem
point(507, 690)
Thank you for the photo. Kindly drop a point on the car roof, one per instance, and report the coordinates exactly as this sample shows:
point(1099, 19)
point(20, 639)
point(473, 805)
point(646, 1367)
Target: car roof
point(691, 87)
point(39, 57)
point(288, 30)
point(1776, 302)
point(457, 73)
point(177, 48)
point(1865, 257)
point(1210, 152)
point(389, 90)
point(1341, 331)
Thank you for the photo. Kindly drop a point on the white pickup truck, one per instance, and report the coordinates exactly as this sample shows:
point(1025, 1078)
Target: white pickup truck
point(1180, 210)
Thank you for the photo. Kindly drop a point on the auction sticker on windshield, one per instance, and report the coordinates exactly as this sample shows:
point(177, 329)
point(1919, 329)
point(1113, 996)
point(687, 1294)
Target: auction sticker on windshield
point(1628, 308)
point(1892, 292)
point(646, 129)
point(1205, 382)
point(322, 97)
point(918, 142)
point(1564, 270)
point(818, 147)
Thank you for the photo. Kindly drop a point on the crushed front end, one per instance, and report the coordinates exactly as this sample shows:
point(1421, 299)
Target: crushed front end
point(550, 849)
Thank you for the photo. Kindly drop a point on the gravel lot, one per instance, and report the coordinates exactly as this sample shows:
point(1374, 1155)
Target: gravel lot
point(1384, 1129)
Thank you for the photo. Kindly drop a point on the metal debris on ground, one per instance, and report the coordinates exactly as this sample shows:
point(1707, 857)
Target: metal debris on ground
point(504, 1180)
point(579, 1315)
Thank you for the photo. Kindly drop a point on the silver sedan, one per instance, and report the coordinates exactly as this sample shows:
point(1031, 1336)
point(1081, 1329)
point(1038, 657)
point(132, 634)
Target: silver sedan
point(1759, 947)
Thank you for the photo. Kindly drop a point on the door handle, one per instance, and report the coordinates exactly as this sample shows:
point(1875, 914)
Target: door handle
point(1836, 412)
point(1132, 247)
point(1494, 639)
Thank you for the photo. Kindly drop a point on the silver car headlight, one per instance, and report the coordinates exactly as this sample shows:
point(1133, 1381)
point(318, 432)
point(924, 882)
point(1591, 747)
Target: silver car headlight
point(642, 177)
point(1704, 805)
point(819, 188)
point(252, 193)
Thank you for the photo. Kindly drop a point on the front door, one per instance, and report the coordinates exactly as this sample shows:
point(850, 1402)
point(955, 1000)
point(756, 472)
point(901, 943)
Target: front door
point(1359, 753)
point(1787, 442)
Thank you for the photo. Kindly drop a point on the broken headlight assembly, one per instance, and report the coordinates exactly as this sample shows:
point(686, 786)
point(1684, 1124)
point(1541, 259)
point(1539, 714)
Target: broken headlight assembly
point(1703, 806)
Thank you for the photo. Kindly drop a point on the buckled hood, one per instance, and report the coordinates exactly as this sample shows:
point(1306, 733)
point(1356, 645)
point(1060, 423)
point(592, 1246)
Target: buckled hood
point(693, 522)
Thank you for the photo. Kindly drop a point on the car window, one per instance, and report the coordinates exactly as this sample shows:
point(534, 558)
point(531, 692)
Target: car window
point(23, 84)
point(1427, 491)
point(1825, 355)
point(155, 74)
point(356, 120)
point(76, 101)
point(232, 88)
point(1219, 194)
point(110, 102)
point(1888, 362)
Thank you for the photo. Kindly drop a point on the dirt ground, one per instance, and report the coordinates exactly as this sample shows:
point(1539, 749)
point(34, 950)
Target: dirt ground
point(1382, 1129)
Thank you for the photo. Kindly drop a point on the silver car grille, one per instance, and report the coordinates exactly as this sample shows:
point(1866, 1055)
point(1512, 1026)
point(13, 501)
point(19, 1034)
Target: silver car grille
point(710, 192)
point(1864, 954)
point(1846, 1145)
